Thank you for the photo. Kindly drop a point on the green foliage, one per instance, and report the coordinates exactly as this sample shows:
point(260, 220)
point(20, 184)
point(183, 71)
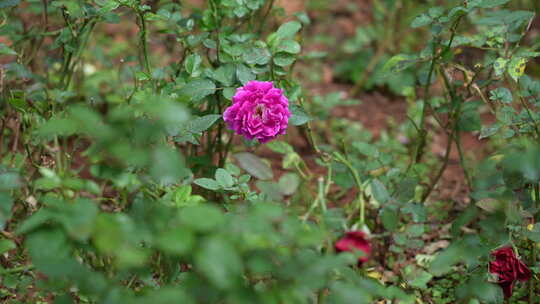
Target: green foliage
point(122, 183)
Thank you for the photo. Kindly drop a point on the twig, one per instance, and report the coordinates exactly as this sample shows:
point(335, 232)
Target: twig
point(442, 169)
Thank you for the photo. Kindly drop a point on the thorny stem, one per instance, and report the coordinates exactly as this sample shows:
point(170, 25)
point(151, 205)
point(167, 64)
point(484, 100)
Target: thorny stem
point(340, 158)
point(442, 169)
point(263, 20)
point(422, 141)
point(310, 131)
point(532, 283)
point(145, 62)
point(453, 136)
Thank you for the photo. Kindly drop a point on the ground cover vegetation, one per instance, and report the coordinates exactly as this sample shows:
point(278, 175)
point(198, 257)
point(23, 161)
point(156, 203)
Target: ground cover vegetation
point(262, 151)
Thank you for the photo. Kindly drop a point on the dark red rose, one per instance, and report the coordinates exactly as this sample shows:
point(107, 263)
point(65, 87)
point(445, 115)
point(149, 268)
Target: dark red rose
point(355, 240)
point(509, 269)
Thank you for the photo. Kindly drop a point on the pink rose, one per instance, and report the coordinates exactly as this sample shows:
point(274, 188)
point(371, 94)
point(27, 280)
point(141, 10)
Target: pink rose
point(509, 269)
point(258, 111)
point(355, 240)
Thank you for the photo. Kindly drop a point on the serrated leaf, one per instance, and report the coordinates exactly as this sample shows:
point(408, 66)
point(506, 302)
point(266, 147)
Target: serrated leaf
point(289, 29)
point(288, 183)
point(224, 178)
point(196, 90)
point(366, 149)
point(421, 20)
point(501, 94)
point(298, 115)
point(5, 50)
point(289, 46)
point(225, 74)
point(201, 124)
point(487, 3)
point(244, 73)
point(379, 192)
point(280, 147)
point(398, 63)
point(192, 65)
point(284, 59)
point(207, 183)
point(271, 189)
point(516, 67)
point(254, 165)
point(390, 218)
point(488, 131)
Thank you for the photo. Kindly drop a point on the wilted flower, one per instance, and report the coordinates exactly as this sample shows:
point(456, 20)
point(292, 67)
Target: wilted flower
point(258, 111)
point(508, 268)
point(355, 240)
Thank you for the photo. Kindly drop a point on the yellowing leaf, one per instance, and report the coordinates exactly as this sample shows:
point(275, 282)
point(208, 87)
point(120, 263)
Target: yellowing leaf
point(516, 68)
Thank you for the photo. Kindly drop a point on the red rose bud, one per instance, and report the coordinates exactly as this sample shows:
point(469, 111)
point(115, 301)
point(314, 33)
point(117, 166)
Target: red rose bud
point(355, 240)
point(509, 269)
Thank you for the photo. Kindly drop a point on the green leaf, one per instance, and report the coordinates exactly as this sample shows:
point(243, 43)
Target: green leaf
point(9, 181)
point(167, 166)
point(379, 192)
point(289, 29)
point(271, 189)
point(366, 149)
point(444, 260)
point(196, 90)
point(289, 46)
point(177, 241)
point(488, 131)
point(5, 50)
point(420, 279)
point(202, 217)
point(516, 67)
point(201, 124)
point(54, 261)
point(487, 3)
point(79, 219)
point(244, 74)
point(288, 183)
point(284, 59)
point(225, 74)
point(500, 66)
point(6, 245)
point(5, 208)
point(192, 65)
point(219, 262)
point(298, 115)
point(224, 178)
point(256, 55)
point(418, 212)
point(254, 165)
point(398, 63)
point(501, 94)
point(421, 20)
point(9, 3)
point(390, 218)
point(207, 183)
point(415, 230)
point(469, 119)
point(280, 147)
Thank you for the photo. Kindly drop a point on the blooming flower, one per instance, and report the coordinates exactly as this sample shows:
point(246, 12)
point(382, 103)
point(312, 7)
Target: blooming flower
point(355, 240)
point(258, 111)
point(508, 268)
